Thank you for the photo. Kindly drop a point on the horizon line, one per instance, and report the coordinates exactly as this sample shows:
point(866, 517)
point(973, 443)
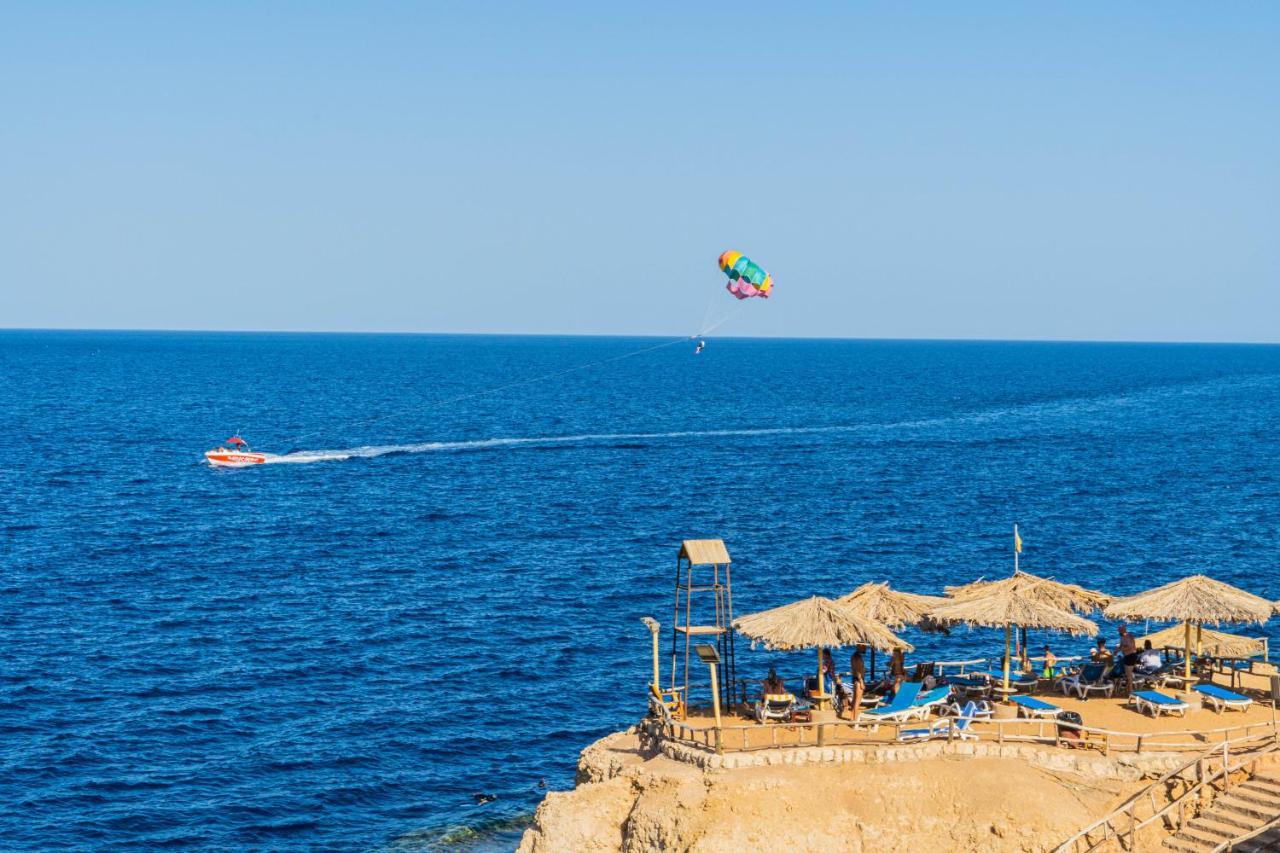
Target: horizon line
point(637, 335)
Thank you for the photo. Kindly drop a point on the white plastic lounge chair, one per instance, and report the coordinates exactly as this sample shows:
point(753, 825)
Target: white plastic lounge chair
point(957, 727)
point(976, 708)
point(1156, 703)
point(1223, 699)
point(1090, 678)
point(1030, 706)
point(899, 709)
point(775, 706)
point(961, 725)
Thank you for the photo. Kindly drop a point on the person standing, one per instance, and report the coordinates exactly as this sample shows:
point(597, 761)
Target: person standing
point(897, 669)
point(1128, 651)
point(858, 670)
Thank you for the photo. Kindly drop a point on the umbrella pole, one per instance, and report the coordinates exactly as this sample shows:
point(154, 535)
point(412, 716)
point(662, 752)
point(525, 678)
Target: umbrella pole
point(1186, 656)
point(1007, 631)
point(873, 663)
point(820, 690)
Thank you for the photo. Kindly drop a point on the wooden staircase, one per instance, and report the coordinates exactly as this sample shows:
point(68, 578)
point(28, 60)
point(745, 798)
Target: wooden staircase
point(1242, 818)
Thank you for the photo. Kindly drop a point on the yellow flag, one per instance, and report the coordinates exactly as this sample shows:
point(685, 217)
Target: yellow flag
point(1017, 540)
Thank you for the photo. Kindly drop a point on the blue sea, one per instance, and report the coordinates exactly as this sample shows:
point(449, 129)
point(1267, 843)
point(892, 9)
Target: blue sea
point(441, 597)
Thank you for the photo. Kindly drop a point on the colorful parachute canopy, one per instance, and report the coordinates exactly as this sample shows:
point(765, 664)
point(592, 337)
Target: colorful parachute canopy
point(746, 277)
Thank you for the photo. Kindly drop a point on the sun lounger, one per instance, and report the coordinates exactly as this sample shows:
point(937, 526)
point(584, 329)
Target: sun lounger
point(978, 709)
point(1223, 699)
point(926, 732)
point(1017, 680)
point(901, 708)
point(1155, 703)
point(962, 723)
point(1030, 706)
point(775, 706)
point(1090, 678)
point(933, 700)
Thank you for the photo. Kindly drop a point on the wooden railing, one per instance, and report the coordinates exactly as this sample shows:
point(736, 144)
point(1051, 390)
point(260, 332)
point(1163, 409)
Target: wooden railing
point(1123, 823)
point(1231, 843)
point(747, 737)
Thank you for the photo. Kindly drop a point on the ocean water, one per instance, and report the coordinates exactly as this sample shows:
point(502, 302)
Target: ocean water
point(443, 599)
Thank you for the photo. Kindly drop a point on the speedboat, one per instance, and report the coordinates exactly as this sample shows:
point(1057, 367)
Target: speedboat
point(235, 454)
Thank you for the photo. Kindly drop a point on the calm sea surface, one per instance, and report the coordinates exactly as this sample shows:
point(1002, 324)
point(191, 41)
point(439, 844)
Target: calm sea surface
point(340, 654)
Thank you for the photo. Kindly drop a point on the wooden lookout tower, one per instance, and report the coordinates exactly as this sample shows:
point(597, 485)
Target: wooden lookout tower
point(703, 614)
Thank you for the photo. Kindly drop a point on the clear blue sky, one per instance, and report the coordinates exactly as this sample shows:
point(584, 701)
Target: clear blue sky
point(1088, 171)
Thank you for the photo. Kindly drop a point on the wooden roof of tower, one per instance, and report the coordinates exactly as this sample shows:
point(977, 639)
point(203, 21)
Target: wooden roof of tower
point(705, 552)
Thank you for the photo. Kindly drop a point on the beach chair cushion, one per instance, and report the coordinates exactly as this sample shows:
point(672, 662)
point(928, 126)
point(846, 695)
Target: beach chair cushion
point(924, 732)
point(936, 696)
point(1156, 703)
point(1036, 707)
point(901, 708)
point(1220, 697)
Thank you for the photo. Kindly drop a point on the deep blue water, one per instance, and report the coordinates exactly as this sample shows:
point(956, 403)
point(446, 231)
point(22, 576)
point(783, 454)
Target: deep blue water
point(339, 654)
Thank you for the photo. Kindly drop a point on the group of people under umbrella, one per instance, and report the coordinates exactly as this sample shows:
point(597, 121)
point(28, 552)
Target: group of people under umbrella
point(871, 614)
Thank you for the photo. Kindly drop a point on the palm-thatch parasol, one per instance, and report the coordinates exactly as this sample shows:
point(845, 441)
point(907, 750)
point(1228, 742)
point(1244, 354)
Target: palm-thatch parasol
point(1195, 600)
point(1064, 596)
point(1217, 643)
point(815, 623)
point(892, 607)
point(1009, 602)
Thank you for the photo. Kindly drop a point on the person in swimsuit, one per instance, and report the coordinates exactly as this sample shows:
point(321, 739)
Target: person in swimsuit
point(1050, 663)
point(858, 668)
point(1128, 651)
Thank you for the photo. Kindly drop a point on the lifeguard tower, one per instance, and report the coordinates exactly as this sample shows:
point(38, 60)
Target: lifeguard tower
point(703, 614)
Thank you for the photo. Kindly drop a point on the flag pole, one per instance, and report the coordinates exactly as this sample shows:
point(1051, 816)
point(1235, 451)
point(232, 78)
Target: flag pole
point(1017, 549)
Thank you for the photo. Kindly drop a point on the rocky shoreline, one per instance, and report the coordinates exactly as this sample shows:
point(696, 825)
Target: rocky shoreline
point(963, 796)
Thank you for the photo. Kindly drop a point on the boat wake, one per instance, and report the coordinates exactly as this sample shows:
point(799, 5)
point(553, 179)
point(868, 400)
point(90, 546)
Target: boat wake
point(1075, 412)
point(370, 451)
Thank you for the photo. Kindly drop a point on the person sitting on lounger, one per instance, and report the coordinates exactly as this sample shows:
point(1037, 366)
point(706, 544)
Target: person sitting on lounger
point(1024, 662)
point(1148, 658)
point(1100, 653)
point(773, 685)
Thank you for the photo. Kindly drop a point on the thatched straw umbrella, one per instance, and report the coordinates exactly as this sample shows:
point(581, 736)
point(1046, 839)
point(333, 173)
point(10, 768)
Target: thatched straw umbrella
point(815, 623)
point(1215, 642)
point(893, 608)
point(1064, 596)
point(1195, 600)
point(1004, 604)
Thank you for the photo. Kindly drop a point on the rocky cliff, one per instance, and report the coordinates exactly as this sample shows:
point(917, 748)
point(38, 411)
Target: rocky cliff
point(627, 800)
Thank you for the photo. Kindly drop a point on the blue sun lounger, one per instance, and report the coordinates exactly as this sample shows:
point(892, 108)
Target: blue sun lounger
point(931, 701)
point(901, 708)
point(1156, 703)
point(1222, 699)
point(1030, 706)
point(957, 727)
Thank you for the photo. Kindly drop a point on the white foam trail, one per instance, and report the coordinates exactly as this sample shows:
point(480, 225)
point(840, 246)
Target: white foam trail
point(1074, 407)
point(370, 451)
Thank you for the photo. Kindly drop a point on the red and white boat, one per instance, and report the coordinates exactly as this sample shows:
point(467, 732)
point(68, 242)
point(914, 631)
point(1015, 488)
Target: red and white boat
point(236, 454)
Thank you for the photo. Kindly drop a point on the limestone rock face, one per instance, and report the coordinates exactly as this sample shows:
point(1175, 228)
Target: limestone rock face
point(629, 801)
